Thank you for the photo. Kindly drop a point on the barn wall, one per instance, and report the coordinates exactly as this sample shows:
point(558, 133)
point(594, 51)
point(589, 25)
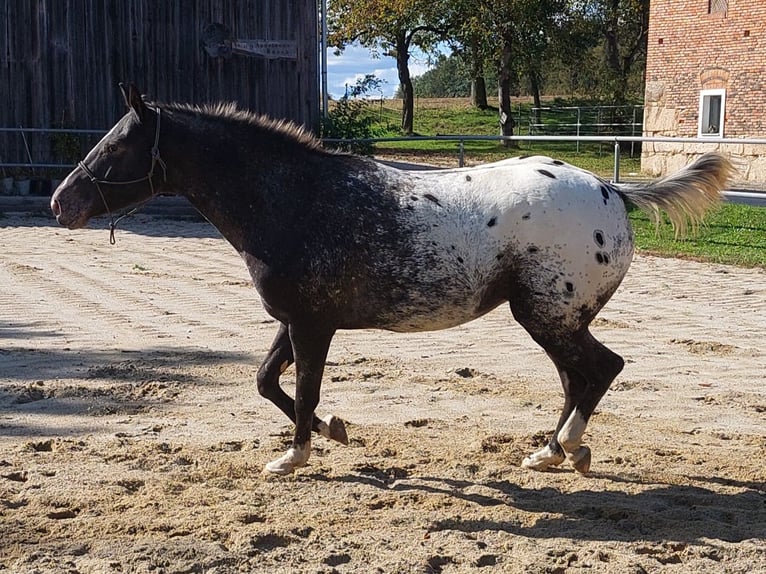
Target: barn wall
point(61, 60)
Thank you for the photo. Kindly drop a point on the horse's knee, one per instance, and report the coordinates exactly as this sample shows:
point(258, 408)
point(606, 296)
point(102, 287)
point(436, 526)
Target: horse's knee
point(614, 364)
point(262, 383)
point(266, 381)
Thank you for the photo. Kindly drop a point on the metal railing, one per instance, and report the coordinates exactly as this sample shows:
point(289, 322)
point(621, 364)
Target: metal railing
point(460, 141)
point(587, 120)
point(616, 140)
point(31, 164)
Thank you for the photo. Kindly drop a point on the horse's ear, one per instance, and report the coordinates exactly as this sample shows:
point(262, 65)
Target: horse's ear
point(133, 100)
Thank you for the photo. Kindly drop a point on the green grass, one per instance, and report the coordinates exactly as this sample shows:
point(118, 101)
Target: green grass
point(458, 117)
point(733, 234)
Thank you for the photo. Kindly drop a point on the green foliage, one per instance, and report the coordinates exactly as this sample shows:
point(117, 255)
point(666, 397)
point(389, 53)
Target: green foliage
point(449, 78)
point(350, 118)
point(66, 147)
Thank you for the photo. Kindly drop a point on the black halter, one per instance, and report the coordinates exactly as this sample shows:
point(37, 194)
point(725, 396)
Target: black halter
point(156, 159)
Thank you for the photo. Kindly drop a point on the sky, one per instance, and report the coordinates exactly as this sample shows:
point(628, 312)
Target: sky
point(356, 61)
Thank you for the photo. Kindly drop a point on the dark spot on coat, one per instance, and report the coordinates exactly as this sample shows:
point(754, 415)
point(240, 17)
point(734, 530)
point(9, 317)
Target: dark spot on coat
point(570, 286)
point(468, 178)
point(499, 256)
point(558, 162)
point(430, 197)
point(492, 222)
point(452, 247)
point(605, 192)
point(414, 198)
point(546, 173)
point(598, 237)
point(526, 216)
point(602, 258)
point(532, 249)
point(523, 156)
point(460, 260)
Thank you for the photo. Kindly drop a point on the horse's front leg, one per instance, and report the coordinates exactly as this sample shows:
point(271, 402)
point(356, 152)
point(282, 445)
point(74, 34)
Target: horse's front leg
point(310, 346)
point(278, 359)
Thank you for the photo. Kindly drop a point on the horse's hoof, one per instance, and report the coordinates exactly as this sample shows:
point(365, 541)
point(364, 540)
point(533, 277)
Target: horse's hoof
point(294, 458)
point(580, 459)
point(335, 429)
point(542, 460)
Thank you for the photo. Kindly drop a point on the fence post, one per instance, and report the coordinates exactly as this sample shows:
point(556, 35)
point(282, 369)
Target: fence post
point(578, 129)
point(461, 149)
point(616, 177)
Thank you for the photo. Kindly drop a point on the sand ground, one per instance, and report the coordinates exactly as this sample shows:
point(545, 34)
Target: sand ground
point(132, 437)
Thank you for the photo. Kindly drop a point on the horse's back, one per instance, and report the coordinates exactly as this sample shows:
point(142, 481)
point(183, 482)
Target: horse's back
point(533, 228)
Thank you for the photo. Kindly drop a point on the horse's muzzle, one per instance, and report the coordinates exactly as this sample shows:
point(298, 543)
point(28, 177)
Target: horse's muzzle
point(69, 221)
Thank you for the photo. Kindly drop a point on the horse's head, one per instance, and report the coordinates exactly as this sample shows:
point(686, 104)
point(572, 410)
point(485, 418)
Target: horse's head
point(123, 169)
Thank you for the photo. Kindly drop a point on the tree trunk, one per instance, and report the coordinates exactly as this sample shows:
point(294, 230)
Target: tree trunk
point(479, 92)
point(478, 85)
point(405, 82)
point(534, 83)
point(504, 81)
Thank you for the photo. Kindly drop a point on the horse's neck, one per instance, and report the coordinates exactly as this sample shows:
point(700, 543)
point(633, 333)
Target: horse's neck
point(233, 183)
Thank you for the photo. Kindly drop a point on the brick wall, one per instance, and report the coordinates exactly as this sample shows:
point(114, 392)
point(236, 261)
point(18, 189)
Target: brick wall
point(690, 50)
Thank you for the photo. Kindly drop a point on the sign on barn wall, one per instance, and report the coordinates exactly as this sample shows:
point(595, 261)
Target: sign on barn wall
point(273, 49)
point(218, 42)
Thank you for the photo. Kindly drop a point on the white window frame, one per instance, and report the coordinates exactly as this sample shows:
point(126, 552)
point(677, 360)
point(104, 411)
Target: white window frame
point(705, 95)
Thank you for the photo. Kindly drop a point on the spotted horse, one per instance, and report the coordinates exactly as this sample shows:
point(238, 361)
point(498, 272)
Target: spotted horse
point(335, 241)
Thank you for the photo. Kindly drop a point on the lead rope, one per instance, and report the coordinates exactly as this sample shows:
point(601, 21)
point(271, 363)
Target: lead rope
point(156, 159)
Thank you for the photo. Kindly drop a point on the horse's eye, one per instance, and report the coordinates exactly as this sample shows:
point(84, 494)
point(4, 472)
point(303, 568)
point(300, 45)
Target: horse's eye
point(111, 148)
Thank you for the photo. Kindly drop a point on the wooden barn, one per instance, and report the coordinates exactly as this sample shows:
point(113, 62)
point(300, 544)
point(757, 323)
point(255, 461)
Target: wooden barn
point(61, 61)
point(706, 78)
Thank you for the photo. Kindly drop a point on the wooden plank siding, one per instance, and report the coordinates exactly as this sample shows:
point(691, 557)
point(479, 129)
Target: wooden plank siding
point(61, 61)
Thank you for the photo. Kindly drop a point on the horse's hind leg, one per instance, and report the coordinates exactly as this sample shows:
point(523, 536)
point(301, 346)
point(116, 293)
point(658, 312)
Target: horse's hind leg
point(586, 368)
point(278, 359)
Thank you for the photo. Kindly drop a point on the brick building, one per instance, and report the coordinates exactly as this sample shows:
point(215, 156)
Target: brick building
point(706, 77)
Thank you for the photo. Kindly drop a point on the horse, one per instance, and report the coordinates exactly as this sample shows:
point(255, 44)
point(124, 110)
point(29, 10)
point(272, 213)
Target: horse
point(337, 241)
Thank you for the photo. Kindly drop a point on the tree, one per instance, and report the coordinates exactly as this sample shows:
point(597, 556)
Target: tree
point(626, 28)
point(391, 27)
point(470, 40)
point(511, 35)
point(621, 27)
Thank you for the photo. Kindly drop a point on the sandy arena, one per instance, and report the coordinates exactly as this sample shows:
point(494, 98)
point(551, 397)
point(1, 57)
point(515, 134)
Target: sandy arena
point(132, 438)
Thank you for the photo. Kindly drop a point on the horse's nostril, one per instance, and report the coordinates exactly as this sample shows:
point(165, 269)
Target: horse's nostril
point(55, 207)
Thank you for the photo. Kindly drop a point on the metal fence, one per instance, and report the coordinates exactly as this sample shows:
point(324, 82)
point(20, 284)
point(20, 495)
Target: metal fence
point(587, 121)
point(89, 137)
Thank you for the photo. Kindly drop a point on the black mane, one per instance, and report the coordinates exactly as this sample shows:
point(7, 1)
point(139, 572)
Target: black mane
point(228, 112)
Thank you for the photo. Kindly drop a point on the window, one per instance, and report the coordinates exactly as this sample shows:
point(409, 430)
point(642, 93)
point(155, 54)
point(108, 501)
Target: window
point(711, 113)
point(717, 7)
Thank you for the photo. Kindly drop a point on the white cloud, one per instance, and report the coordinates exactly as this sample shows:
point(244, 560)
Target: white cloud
point(356, 61)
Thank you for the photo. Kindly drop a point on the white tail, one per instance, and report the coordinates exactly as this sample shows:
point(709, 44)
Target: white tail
point(686, 195)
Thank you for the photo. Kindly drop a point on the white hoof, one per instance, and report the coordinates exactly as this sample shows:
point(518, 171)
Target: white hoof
point(580, 459)
point(294, 458)
point(542, 459)
point(334, 428)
